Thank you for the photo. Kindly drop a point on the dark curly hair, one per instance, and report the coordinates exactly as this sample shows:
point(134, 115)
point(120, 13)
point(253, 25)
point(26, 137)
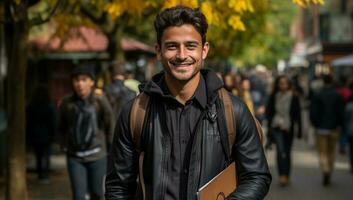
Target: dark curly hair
point(178, 16)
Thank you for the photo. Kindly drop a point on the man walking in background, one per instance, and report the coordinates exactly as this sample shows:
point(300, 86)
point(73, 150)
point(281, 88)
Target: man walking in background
point(326, 114)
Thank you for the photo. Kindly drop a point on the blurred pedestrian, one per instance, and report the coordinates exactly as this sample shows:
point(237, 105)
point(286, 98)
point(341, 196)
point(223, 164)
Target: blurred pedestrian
point(326, 115)
point(131, 83)
point(231, 84)
point(348, 126)
point(259, 96)
point(117, 93)
point(246, 93)
point(86, 128)
point(345, 92)
point(283, 113)
point(40, 125)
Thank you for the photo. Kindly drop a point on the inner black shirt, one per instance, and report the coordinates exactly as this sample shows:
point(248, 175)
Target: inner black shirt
point(181, 121)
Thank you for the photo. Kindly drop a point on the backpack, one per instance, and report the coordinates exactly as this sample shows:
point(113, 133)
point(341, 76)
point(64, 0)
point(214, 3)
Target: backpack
point(118, 95)
point(84, 127)
point(140, 107)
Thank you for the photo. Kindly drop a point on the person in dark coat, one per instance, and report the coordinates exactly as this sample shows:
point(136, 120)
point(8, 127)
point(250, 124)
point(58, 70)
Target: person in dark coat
point(348, 127)
point(41, 119)
point(283, 114)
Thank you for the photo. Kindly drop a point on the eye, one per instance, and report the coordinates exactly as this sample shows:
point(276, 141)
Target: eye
point(171, 46)
point(191, 47)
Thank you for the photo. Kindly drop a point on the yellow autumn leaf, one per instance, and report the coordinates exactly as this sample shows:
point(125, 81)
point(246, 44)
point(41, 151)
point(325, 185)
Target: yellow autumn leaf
point(191, 3)
point(211, 15)
point(114, 9)
point(235, 22)
point(241, 6)
point(172, 3)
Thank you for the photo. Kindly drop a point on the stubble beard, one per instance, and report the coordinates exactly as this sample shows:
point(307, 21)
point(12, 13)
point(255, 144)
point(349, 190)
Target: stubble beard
point(176, 74)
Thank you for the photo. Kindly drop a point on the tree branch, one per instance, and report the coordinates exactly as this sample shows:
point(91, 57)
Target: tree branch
point(97, 20)
point(39, 20)
point(120, 23)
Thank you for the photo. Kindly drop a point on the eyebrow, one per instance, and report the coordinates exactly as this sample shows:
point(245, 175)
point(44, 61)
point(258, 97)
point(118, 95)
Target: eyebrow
point(187, 42)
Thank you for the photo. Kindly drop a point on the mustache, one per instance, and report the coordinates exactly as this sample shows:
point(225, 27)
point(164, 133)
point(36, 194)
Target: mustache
point(187, 61)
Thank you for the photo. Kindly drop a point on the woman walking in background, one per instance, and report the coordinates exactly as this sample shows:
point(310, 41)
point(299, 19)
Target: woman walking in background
point(283, 112)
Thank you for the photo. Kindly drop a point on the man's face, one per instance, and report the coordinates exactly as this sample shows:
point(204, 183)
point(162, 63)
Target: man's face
point(82, 85)
point(181, 52)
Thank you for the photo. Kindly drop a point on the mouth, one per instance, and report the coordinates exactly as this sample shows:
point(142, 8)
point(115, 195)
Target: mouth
point(181, 64)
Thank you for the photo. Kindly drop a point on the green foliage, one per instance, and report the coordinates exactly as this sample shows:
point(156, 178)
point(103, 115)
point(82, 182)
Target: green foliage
point(272, 41)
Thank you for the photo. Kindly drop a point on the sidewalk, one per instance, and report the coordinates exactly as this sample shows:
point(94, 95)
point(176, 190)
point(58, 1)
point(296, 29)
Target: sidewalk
point(57, 189)
point(305, 181)
point(306, 177)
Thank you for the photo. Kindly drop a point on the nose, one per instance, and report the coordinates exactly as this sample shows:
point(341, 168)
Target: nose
point(181, 53)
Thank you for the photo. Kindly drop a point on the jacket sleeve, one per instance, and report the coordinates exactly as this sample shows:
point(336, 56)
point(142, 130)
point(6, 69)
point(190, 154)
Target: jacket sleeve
point(254, 177)
point(314, 110)
point(108, 119)
point(296, 115)
point(270, 109)
point(340, 110)
point(120, 182)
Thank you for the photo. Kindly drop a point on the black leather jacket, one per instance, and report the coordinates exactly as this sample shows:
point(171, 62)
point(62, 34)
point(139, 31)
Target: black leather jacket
point(209, 154)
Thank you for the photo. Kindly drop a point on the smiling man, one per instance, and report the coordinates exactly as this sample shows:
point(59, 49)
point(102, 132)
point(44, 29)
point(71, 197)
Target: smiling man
point(184, 137)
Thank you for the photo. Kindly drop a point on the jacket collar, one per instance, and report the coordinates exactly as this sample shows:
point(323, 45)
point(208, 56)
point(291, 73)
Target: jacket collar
point(212, 84)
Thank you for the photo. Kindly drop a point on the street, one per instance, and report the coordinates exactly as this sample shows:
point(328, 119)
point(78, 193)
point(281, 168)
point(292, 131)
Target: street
point(306, 182)
point(305, 179)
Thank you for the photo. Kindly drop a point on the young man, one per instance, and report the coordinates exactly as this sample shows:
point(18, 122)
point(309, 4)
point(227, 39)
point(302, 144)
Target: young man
point(184, 137)
point(86, 127)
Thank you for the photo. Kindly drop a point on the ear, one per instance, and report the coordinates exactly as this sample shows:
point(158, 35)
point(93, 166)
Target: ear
point(158, 49)
point(205, 49)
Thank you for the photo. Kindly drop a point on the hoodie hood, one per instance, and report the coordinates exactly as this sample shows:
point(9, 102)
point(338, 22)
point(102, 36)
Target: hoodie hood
point(212, 81)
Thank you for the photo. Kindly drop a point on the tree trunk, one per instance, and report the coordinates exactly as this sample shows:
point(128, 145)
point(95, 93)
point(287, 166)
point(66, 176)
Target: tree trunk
point(115, 49)
point(115, 37)
point(16, 35)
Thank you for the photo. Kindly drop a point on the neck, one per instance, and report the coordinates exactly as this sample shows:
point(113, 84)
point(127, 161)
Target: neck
point(84, 96)
point(182, 90)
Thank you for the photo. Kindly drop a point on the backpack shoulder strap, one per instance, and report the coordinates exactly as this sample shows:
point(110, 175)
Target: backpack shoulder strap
point(229, 115)
point(230, 118)
point(137, 117)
